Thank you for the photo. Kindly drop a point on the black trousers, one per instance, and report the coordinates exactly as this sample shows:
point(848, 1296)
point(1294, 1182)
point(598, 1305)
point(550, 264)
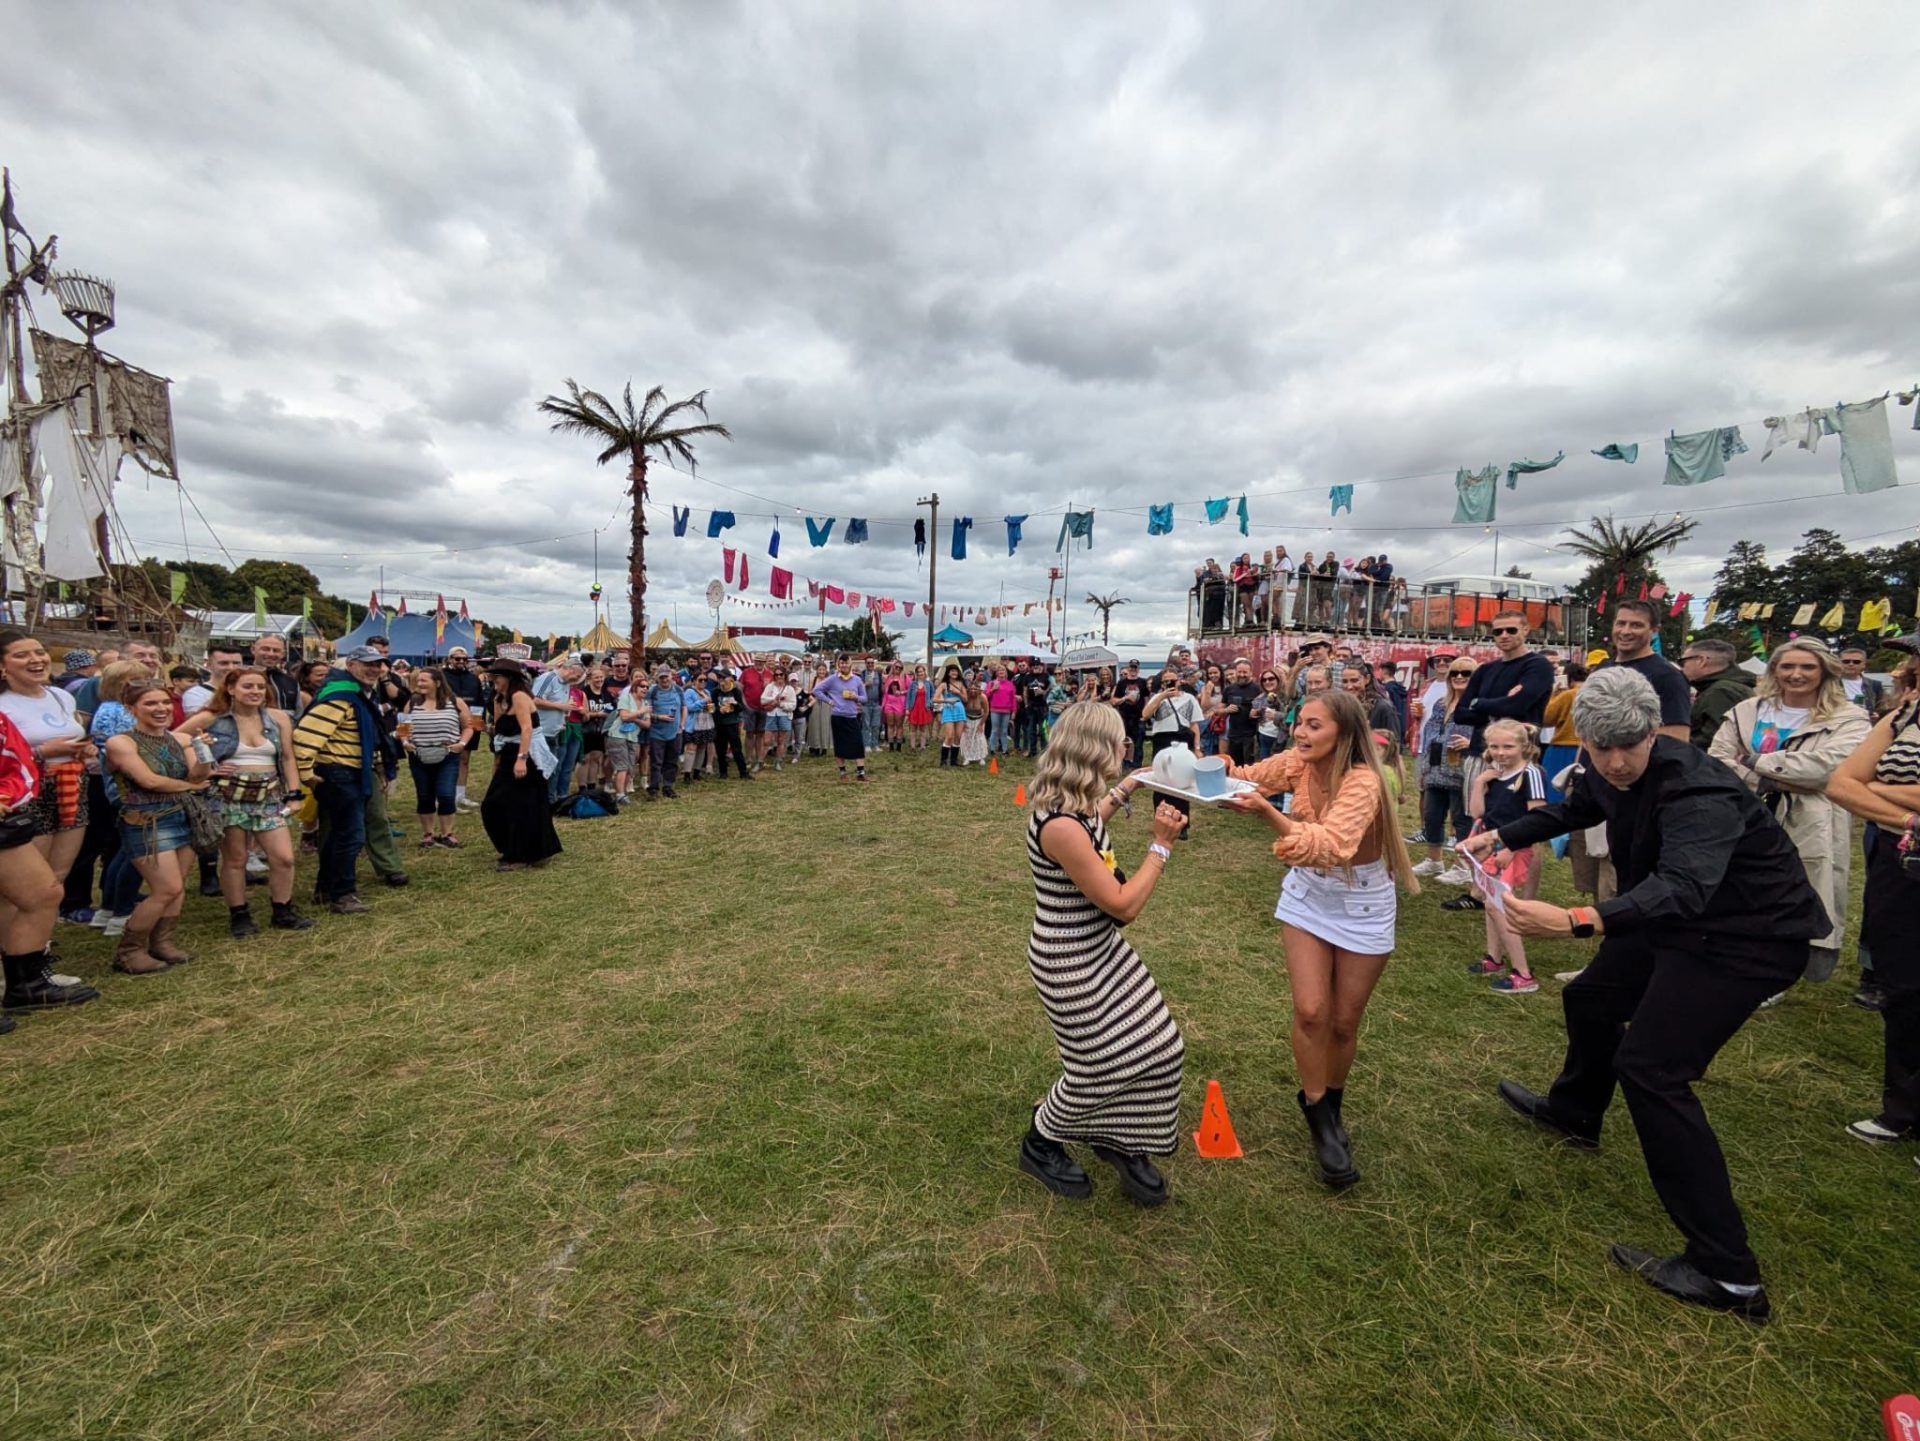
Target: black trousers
point(726, 741)
point(97, 846)
point(1240, 748)
point(1685, 994)
point(663, 763)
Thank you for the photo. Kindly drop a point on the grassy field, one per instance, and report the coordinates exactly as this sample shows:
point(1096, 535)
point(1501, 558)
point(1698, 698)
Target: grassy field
point(709, 1128)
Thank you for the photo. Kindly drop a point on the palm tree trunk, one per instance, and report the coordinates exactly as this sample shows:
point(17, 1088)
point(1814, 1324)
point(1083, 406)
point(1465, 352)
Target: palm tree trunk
point(1106, 620)
point(637, 562)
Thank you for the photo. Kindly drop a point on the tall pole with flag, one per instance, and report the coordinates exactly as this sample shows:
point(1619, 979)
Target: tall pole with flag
point(439, 623)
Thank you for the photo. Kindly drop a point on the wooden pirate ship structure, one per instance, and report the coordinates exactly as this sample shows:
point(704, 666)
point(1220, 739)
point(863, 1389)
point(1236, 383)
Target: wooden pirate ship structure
point(63, 442)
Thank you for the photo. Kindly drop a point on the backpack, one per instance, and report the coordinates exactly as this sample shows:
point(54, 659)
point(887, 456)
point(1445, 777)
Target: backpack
point(588, 803)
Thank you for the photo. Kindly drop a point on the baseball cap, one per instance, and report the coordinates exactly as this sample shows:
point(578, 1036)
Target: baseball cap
point(366, 654)
point(1595, 656)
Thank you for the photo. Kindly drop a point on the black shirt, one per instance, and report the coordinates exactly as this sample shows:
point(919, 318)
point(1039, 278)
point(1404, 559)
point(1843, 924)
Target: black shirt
point(1486, 697)
point(1241, 694)
point(1668, 682)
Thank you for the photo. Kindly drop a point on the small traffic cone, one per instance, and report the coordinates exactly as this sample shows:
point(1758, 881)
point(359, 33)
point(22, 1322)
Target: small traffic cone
point(993, 765)
point(1215, 1138)
point(1020, 794)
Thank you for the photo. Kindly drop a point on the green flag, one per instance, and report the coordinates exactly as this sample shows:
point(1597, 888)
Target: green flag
point(260, 608)
point(306, 609)
point(177, 585)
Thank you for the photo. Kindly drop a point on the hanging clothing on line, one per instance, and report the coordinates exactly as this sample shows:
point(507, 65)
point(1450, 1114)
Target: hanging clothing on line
point(781, 586)
point(907, 606)
point(1874, 615)
point(720, 520)
point(835, 594)
point(1518, 468)
point(1160, 520)
point(1803, 430)
point(726, 563)
point(1907, 397)
point(1341, 498)
point(1078, 525)
point(1703, 455)
point(1241, 512)
point(773, 543)
point(1014, 522)
point(1613, 450)
point(680, 516)
point(1866, 447)
point(856, 531)
point(961, 525)
point(818, 531)
point(919, 536)
point(1476, 493)
point(743, 570)
point(1217, 511)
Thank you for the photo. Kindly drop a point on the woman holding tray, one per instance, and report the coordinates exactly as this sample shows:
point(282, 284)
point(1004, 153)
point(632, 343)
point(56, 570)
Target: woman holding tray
point(1121, 1053)
point(1341, 840)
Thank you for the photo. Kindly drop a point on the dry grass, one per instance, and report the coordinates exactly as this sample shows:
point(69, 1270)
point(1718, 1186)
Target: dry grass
point(708, 1129)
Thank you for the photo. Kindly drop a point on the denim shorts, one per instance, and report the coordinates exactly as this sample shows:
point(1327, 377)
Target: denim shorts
point(782, 723)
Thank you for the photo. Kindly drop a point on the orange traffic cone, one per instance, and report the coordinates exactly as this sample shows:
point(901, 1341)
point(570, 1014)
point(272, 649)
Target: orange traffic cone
point(1020, 794)
point(993, 765)
point(1215, 1138)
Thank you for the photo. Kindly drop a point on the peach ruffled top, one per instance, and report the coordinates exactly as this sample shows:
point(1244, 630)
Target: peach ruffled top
point(1335, 839)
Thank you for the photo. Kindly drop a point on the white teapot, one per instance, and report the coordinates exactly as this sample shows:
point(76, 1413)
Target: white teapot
point(1174, 767)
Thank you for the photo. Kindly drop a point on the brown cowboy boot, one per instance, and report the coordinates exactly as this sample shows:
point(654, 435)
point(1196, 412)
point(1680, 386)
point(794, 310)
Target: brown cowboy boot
point(161, 944)
point(131, 955)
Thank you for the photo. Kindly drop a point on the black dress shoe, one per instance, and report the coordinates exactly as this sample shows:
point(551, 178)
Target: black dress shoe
point(1139, 1177)
point(1684, 1281)
point(7, 1023)
point(1870, 998)
point(1466, 901)
point(398, 878)
point(1540, 1111)
point(1049, 1164)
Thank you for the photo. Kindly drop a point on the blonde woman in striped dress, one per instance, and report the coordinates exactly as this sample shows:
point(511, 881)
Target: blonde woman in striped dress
point(1122, 1052)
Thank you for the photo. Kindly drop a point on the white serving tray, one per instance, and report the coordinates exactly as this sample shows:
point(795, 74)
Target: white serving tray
point(1235, 787)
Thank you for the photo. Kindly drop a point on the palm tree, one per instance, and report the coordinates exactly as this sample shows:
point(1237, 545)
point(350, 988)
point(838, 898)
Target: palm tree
point(634, 434)
point(1626, 550)
point(1105, 604)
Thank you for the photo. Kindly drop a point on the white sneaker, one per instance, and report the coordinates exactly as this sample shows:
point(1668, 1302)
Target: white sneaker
point(100, 918)
point(1455, 875)
point(256, 865)
point(1771, 1001)
point(1427, 868)
point(114, 926)
point(1565, 976)
point(1875, 1132)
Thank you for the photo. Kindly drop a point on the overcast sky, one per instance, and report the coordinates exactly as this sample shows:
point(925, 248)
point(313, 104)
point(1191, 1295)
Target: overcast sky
point(1104, 255)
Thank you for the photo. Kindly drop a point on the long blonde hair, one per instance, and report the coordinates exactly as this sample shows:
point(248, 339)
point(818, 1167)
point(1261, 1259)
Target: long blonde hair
point(1520, 731)
point(1076, 768)
point(1830, 700)
point(1355, 749)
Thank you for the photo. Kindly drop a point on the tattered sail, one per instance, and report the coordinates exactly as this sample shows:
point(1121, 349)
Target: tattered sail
point(134, 403)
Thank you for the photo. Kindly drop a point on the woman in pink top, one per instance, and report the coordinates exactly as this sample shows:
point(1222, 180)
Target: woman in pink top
point(1341, 841)
point(1003, 699)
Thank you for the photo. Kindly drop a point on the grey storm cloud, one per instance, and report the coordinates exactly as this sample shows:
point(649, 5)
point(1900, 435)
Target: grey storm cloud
point(1026, 257)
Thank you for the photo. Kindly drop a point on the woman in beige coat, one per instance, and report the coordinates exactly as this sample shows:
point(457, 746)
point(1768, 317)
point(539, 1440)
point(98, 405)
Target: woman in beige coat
point(1786, 741)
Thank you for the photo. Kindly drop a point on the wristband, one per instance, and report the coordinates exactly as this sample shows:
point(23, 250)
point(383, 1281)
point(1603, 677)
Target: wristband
point(1584, 920)
point(1156, 849)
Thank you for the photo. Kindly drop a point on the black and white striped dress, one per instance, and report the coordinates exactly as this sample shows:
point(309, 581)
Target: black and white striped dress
point(1118, 1042)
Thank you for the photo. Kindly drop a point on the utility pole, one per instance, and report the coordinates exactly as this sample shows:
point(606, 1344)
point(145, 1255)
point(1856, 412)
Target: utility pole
point(933, 562)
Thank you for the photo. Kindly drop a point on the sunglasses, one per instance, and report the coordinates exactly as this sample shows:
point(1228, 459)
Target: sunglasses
point(1459, 674)
point(1506, 630)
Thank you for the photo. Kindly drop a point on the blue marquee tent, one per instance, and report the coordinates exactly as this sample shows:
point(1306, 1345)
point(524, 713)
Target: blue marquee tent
point(410, 636)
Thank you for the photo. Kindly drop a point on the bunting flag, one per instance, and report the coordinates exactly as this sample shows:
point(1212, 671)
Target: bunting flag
point(1804, 615)
point(1620, 583)
point(1766, 612)
point(463, 612)
point(177, 585)
point(403, 606)
point(373, 601)
point(1749, 609)
point(1874, 616)
point(306, 609)
point(1643, 590)
point(1658, 590)
point(260, 608)
point(1834, 618)
point(1600, 603)
point(1758, 637)
point(1713, 609)
point(1679, 604)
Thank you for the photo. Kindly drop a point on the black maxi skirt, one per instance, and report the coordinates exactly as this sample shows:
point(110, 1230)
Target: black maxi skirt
point(848, 743)
point(517, 815)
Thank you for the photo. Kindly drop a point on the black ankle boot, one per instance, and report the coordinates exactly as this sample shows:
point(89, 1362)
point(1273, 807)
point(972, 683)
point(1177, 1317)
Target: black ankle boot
point(1336, 1162)
point(1337, 1094)
point(240, 922)
point(1049, 1164)
point(1139, 1177)
point(286, 918)
point(31, 988)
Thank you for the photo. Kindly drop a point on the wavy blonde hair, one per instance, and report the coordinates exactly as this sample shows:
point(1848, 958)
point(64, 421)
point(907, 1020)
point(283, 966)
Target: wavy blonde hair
point(1076, 769)
point(1830, 700)
point(1528, 737)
